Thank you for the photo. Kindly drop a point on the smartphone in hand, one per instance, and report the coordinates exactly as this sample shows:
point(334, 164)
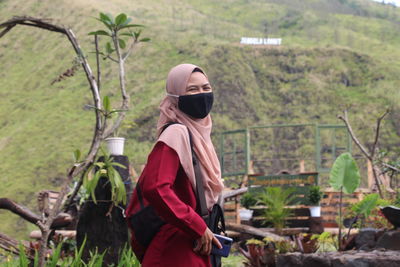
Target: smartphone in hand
point(226, 243)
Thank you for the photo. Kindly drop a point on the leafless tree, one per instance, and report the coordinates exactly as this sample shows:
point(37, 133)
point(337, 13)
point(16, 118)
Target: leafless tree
point(371, 154)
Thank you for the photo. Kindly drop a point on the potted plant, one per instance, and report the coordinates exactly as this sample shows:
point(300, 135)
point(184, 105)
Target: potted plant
point(247, 200)
point(314, 197)
point(115, 145)
point(104, 168)
point(276, 200)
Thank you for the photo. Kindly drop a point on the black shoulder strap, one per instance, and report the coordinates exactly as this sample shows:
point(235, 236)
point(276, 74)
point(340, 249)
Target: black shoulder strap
point(200, 195)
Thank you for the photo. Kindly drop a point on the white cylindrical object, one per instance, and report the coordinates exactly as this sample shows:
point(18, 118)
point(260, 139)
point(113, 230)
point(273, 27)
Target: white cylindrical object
point(315, 211)
point(245, 214)
point(115, 145)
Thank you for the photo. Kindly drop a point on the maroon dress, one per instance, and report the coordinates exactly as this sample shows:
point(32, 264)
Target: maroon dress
point(166, 187)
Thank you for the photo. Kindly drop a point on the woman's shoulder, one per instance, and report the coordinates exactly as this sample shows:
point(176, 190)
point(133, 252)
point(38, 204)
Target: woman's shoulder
point(176, 130)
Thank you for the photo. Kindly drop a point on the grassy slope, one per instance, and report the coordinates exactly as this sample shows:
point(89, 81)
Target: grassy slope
point(335, 53)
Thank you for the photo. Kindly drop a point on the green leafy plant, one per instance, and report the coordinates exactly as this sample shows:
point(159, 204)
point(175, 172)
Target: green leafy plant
point(105, 169)
point(248, 200)
point(276, 199)
point(366, 205)
point(117, 28)
point(126, 258)
point(344, 174)
point(326, 242)
point(367, 211)
point(345, 177)
point(315, 195)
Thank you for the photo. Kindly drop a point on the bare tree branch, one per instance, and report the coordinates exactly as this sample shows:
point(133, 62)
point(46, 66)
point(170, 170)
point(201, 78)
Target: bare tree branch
point(130, 49)
point(390, 167)
point(7, 29)
point(378, 125)
point(345, 119)
point(96, 43)
point(11, 245)
point(62, 219)
point(111, 58)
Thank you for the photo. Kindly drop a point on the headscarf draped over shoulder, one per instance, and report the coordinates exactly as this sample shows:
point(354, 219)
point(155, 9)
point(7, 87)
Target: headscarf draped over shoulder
point(176, 136)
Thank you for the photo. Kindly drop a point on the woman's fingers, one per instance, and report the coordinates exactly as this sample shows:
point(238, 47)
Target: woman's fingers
point(197, 245)
point(216, 242)
point(203, 245)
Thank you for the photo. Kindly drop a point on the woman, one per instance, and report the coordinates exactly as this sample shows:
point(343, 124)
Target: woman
point(168, 181)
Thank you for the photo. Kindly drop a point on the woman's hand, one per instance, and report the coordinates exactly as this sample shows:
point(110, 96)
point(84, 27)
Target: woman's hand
point(204, 243)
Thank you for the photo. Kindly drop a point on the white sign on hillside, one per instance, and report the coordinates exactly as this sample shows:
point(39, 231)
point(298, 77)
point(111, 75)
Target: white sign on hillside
point(261, 41)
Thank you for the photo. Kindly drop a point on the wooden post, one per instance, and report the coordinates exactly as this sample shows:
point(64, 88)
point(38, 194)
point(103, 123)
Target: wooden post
point(371, 182)
point(302, 166)
point(237, 206)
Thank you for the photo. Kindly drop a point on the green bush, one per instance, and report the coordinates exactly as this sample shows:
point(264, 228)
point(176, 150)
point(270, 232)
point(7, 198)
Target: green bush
point(315, 195)
point(248, 200)
point(127, 259)
point(276, 199)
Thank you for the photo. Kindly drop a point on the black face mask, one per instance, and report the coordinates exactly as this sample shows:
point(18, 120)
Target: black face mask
point(197, 106)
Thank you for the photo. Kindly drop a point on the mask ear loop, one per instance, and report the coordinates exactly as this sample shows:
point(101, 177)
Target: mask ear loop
point(172, 95)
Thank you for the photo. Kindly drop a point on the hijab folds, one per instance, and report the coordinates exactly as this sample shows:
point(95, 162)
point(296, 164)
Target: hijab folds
point(200, 130)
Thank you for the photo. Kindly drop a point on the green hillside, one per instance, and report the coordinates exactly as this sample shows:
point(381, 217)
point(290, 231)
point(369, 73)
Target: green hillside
point(335, 54)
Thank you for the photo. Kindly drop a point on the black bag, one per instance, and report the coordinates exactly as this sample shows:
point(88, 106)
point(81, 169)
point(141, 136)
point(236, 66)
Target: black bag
point(216, 223)
point(216, 220)
point(145, 223)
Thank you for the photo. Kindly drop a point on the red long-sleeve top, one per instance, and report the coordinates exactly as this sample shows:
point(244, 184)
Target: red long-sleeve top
point(166, 187)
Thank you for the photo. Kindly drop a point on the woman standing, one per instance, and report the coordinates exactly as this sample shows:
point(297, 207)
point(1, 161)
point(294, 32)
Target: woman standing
point(168, 182)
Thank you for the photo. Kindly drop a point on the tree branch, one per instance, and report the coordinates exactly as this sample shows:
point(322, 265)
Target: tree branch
point(125, 96)
point(96, 43)
point(97, 135)
point(130, 49)
point(390, 167)
point(62, 219)
point(345, 119)
point(11, 245)
point(378, 124)
point(7, 29)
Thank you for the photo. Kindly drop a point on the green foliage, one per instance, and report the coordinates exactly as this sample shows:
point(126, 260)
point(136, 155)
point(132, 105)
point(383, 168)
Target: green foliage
point(254, 241)
point(326, 242)
point(77, 155)
point(233, 260)
point(23, 259)
point(115, 28)
point(396, 201)
point(345, 174)
point(247, 200)
point(366, 205)
point(276, 199)
point(127, 258)
point(315, 195)
point(106, 170)
point(368, 212)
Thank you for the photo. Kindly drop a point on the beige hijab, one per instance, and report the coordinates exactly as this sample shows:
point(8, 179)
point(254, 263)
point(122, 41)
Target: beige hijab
point(200, 130)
